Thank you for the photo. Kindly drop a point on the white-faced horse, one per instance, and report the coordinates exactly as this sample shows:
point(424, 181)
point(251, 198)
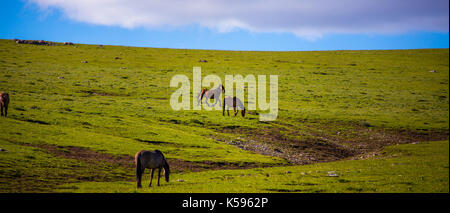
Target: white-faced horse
point(211, 94)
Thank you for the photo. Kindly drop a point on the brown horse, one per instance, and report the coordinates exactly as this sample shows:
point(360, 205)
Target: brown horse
point(4, 101)
point(235, 102)
point(210, 94)
point(151, 160)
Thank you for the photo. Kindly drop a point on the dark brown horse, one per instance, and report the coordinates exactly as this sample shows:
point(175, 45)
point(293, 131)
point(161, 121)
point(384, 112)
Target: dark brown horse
point(151, 160)
point(4, 101)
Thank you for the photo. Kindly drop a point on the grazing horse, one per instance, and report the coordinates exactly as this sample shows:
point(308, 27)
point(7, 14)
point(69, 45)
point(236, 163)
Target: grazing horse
point(4, 101)
point(151, 160)
point(211, 94)
point(235, 102)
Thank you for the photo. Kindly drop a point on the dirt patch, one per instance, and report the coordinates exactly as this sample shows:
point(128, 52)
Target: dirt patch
point(86, 155)
point(46, 176)
point(323, 142)
point(93, 166)
point(127, 161)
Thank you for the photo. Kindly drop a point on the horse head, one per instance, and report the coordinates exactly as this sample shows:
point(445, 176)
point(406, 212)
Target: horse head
point(166, 170)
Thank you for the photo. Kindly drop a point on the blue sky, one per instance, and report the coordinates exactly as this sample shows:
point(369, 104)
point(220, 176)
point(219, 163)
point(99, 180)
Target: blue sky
point(225, 28)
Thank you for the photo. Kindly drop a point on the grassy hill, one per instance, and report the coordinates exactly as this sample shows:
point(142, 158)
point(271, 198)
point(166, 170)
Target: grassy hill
point(72, 124)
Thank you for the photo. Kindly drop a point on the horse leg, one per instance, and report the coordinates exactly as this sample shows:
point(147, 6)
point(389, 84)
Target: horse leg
point(198, 99)
point(223, 109)
point(1, 106)
point(213, 97)
point(6, 110)
point(202, 94)
point(159, 174)
point(235, 111)
point(139, 177)
point(151, 178)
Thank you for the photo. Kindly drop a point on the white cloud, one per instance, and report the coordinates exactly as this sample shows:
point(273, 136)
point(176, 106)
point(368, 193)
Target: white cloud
point(306, 19)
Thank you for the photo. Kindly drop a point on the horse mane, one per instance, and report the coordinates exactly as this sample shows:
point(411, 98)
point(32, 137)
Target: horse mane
point(203, 92)
point(164, 164)
point(4, 97)
point(166, 169)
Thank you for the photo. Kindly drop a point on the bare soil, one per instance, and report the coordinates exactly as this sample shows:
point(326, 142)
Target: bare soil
point(291, 143)
point(334, 141)
point(127, 161)
point(284, 141)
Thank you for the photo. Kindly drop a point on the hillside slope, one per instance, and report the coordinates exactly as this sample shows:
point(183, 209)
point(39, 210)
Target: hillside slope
point(72, 122)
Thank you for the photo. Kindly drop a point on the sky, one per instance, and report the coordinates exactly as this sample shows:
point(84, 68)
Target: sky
point(263, 25)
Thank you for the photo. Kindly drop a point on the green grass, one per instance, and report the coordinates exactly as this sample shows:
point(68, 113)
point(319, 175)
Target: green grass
point(114, 105)
point(408, 168)
point(31, 169)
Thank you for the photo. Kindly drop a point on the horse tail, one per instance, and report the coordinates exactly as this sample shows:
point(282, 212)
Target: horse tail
point(138, 167)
